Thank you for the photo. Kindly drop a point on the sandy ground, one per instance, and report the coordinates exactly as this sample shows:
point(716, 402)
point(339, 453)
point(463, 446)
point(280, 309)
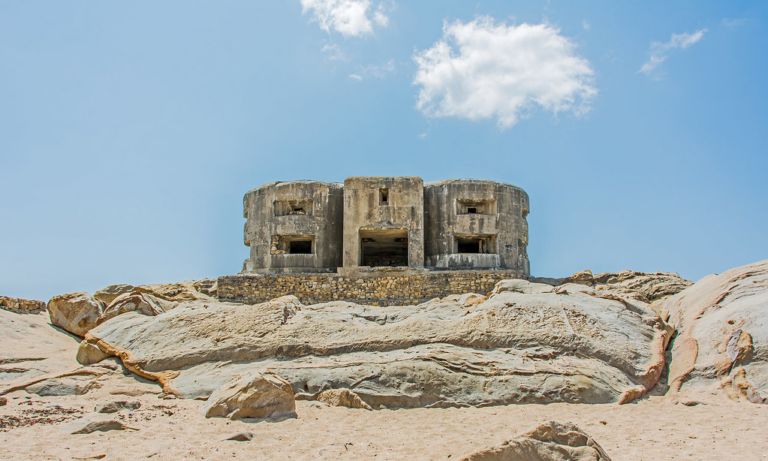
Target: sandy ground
point(652, 429)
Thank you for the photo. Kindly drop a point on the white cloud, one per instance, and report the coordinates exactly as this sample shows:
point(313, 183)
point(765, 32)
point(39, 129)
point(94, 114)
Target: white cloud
point(351, 18)
point(660, 51)
point(334, 52)
point(355, 77)
point(482, 69)
point(375, 71)
point(728, 22)
point(586, 25)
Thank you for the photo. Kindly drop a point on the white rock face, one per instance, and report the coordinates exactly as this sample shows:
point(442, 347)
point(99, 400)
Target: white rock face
point(34, 349)
point(75, 312)
point(527, 343)
point(252, 395)
point(550, 441)
point(723, 333)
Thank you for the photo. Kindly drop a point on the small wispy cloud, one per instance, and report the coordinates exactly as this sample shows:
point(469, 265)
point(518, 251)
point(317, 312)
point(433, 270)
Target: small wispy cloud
point(586, 25)
point(375, 70)
point(660, 51)
point(334, 52)
point(350, 18)
point(729, 22)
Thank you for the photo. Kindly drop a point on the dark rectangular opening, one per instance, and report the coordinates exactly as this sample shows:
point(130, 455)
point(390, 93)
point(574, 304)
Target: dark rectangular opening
point(476, 206)
point(291, 207)
point(384, 247)
point(300, 247)
point(470, 245)
point(383, 196)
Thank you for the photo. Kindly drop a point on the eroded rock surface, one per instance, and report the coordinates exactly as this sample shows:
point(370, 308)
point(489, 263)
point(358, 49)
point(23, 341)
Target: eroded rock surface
point(526, 343)
point(32, 350)
point(550, 441)
point(723, 333)
point(648, 287)
point(19, 305)
point(252, 395)
point(109, 293)
point(135, 301)
point(75, 312)
point(93, 423)
point(342, 398)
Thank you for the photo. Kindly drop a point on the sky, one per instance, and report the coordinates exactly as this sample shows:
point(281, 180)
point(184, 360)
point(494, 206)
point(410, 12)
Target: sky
point(130, 131)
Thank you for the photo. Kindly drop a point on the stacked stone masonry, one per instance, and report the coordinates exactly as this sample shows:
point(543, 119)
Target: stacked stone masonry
point(377, 290)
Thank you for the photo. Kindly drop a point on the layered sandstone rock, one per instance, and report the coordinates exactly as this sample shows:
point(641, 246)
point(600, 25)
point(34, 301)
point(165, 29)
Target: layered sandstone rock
point(342, 398)
point(722, 322)
point(21, 306)
point(647, 287)
point(32, 351)
point(252, 395)
point(75, 312)
point(190, 290)
point(526, 343)
point(109, 293)
point(550, 441)
point(134, 301)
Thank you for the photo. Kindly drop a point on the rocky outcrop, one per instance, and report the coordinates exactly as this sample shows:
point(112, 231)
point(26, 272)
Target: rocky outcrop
point(21, 306)
point(93, 423)
point(134, 301)
point(581, 278)
point(109, 293)
point(116, 406)
point(75, 312)
point(647, 287)
point(550, 441)
point(650, 287)
point(32, 351)
point(60, 387)
point(722, 322)
point(252, 395)
point(526, 343)
point(342, 398)
point(79, 312)
point(190, 290)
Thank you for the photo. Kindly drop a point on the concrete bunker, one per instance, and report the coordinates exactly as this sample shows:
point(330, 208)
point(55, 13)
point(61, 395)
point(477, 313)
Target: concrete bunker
point(384, 247)
point(370, 224)
point(294, 226)
point(475, 224)
point(383, 222)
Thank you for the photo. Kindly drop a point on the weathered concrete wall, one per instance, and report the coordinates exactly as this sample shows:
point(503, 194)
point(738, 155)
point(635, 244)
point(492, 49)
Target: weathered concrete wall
point(472, 223)
point(297, 216)
point(383, 209)
point(364, 289)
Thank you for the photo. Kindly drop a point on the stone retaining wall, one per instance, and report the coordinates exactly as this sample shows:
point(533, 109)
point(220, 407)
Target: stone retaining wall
point(377, 290)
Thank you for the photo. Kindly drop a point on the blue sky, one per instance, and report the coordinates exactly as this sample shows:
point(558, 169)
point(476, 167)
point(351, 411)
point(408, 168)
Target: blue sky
point(129, 131)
